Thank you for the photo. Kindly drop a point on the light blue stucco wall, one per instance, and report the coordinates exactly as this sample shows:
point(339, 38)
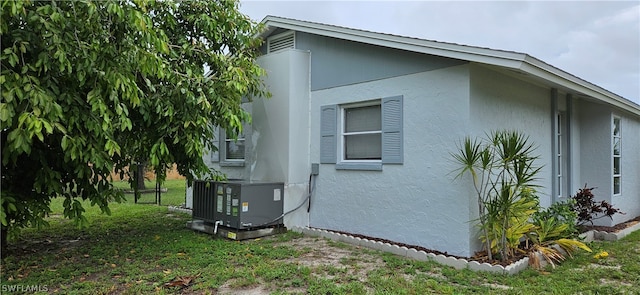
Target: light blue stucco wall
point(596, 166)
point(576, 161)
point(280, 130)
point(417, 202)
point(277, 140)
point(337, 62)
point(629, 199)
point(595, 151)
point(502, 102)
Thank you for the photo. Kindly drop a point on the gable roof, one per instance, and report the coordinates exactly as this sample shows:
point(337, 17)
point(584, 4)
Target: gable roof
point(515, 61)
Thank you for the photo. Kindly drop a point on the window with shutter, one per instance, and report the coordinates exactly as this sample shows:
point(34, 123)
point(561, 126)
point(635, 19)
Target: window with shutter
point(215, 155)
point(392, 139)
point(363, 135)
point(328, 134)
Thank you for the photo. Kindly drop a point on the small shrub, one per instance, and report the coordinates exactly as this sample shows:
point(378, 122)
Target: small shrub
point(561, 213)
point(588, 209)
point(555, 228)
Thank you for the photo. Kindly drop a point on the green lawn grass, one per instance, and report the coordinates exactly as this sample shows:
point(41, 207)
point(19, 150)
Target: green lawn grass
point(140, 248)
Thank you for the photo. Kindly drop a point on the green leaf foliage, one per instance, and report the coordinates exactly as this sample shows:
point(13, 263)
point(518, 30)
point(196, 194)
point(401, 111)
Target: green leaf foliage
point(503, 171)
point(93, 86)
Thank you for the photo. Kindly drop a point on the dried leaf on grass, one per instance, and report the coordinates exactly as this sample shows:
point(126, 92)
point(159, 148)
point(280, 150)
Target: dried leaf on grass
point(180, 282)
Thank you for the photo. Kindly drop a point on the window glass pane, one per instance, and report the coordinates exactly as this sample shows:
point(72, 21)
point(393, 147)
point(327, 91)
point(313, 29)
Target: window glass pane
point(616, 165)
point(616, 127)
point(616, 145)
point(366, 118)
point(235, 149)
point(363, 147)
point(559, 184)
point(616, 185)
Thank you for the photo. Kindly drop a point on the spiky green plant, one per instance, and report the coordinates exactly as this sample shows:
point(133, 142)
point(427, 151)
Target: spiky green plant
point(503, 173)
point(476, 159)
point(554, 235)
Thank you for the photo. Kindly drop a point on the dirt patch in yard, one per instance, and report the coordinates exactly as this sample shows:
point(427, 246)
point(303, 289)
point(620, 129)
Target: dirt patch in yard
point(320, 253)
point(228, 288)
point(326, 259)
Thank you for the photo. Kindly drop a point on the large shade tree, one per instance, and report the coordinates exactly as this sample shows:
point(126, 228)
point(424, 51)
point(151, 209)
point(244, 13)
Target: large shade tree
point(93, 86)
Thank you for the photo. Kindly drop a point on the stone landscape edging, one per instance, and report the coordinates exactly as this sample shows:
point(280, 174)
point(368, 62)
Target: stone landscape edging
point(180, 209)
point(596, 235)
point(458, 263)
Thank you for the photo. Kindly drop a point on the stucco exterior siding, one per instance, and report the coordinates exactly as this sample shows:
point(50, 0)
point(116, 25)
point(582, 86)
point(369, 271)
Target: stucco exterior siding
point(502, 102)
point(575, 152)
point(280, 132)
point(337, 62)
point(416, 202)
point(629, 199)
point(277, 141)
point(596, 161)
point(595, 151)
point(431, 95)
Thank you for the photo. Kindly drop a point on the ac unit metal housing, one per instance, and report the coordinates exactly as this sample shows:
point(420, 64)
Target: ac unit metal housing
point(239, 205)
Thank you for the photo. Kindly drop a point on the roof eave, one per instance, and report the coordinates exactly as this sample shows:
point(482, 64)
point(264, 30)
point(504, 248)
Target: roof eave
point(462, 52)
point(506, 59)
point(554, 75)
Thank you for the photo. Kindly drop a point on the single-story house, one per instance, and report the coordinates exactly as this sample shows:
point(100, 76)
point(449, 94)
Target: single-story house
point(375, 117)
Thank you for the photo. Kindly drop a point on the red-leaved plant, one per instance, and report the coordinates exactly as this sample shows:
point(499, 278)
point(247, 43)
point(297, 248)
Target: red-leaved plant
point(588, 209)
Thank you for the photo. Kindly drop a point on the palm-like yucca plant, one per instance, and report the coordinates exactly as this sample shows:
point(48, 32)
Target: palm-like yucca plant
point(509, 220)
point(476, 158)
point(503, 174)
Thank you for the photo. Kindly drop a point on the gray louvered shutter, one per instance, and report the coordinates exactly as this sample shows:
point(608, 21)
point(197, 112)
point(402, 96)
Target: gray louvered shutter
point(215, 156)
point(328, 130)
point(392, 146)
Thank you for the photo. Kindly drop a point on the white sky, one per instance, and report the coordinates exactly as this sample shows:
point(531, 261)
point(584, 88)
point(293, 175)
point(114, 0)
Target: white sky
point(598, 41)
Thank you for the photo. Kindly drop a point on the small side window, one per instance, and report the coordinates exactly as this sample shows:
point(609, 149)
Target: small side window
point(617, 155)
point(231, 150)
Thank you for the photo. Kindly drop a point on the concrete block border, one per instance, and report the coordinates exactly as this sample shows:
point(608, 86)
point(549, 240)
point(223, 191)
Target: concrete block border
point(180, 209)
point(412, 253)
point(594, 235)
point(420, 255)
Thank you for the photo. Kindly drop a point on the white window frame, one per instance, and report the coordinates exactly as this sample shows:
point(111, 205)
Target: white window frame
point(342, 134)
point(560, 154)
point(615, 175)
point(224, 161)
